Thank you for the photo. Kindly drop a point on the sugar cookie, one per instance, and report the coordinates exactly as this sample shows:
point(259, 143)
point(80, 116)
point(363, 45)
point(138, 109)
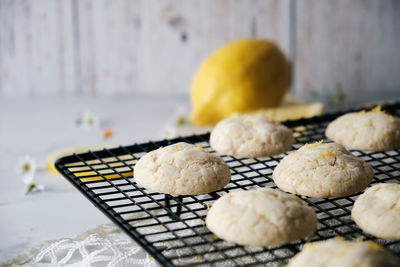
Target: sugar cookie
point(182, 169)
point(377, 211)
point(250, 136)
point(261, 217)
point(322, 170)
point(337, 252)
point(370, 131)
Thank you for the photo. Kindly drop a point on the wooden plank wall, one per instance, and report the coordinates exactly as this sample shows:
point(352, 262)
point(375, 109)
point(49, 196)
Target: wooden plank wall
point(125, 46)
point(349, 46)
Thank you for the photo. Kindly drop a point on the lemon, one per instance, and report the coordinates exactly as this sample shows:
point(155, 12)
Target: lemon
point(292, 112)
point(243, 75)
point(291, 109)
point(55, 155)
point(82, 172)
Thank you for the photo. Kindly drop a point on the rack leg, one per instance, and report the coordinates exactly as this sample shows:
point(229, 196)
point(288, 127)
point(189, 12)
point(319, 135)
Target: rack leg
point(173, 215)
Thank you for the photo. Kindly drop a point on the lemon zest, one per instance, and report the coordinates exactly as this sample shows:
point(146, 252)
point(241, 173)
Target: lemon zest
point(308, 146)
point(327, 153)
point(339, 238)
point(377, 109)
point(374, 246)
point(309, 246)
point(390, 118)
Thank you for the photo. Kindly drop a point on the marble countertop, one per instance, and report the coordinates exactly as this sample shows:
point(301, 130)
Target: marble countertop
point(38, 126)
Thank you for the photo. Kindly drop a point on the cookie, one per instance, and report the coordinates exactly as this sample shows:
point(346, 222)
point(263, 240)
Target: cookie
point(322, 170)
point(377, 211)
point(182, 169)
point(250, 136)
point(261, 217)
point(337, 252)
point(370, 131)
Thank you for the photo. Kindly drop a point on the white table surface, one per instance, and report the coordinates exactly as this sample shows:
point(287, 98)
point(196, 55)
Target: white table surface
point(39, 125)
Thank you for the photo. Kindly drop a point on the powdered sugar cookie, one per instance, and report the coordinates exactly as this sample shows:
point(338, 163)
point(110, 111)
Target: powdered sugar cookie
point(377, 211)
point(261, 217)
point(250, 136)
point(322, 170)
point(337, 252)
point(371, 131)
point(182, 169)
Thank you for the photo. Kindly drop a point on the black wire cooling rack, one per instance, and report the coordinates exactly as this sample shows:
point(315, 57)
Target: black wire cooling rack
point(172, 229)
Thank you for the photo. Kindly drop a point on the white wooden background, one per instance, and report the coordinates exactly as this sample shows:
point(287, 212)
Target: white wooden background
point(73, 47)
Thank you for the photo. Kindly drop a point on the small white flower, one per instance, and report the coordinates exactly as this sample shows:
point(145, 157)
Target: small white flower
point(26, 166)
point(181, 116)
point(28, 179)
point(90, 119)
point(32, 186)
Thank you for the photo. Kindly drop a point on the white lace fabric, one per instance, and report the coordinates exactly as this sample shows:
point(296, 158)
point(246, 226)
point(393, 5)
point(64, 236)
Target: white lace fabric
point(104, 245)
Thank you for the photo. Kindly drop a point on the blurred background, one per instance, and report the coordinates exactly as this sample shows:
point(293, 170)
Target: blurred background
point(124, 47)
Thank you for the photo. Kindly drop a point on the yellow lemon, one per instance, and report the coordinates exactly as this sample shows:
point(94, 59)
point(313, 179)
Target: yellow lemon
point(83, 172)
point(55, 155)
point(243, 75)
point(289, 111)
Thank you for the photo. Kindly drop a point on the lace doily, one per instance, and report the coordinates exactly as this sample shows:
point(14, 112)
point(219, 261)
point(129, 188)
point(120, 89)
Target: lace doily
point(104, 245)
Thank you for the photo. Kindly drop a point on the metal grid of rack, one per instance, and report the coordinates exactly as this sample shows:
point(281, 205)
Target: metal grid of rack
point(172, 228)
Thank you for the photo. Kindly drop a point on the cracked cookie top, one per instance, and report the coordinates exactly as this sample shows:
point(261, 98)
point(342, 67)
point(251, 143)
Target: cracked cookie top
point(337, 252)
point(382, 203)
point(250, 136)
point(182, 169)
point(261, 217)
point(322, 170)
point(371, 131)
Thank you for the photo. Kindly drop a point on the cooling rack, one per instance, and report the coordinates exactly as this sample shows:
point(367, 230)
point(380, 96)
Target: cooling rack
point(172, 229)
